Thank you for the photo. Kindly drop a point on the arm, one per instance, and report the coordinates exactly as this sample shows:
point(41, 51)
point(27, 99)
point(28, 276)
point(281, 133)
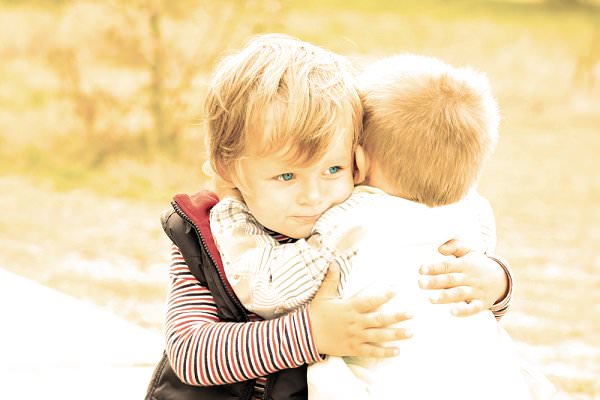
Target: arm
point(205, 351)
point(269, 278)
point(504, 275)
point(474, 280)
point(502, 304)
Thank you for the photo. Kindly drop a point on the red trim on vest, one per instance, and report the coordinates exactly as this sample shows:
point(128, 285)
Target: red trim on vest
point(197, 208)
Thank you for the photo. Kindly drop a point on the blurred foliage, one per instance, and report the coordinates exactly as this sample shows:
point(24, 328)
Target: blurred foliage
point(90, 84)
point(127, 79)
point(140, 43)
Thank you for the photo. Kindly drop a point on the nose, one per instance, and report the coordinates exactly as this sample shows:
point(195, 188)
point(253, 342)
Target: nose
point(310, 193)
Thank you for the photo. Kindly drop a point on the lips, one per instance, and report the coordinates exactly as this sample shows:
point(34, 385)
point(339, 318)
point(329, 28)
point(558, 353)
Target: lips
point(307, 218)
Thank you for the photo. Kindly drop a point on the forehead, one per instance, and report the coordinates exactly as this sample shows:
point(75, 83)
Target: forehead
point(291, 157)
point(296, 130)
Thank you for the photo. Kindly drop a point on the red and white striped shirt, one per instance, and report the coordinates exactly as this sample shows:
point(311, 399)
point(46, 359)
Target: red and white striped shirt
point(205, 351)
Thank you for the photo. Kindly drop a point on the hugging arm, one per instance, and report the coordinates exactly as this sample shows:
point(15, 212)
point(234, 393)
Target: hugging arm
point(205, 351)
point(474, 280)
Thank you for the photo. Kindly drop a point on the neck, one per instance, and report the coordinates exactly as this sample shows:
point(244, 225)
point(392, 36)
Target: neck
point(378, 179)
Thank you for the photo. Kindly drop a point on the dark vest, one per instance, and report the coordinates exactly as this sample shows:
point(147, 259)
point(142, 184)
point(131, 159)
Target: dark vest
point(187, 225)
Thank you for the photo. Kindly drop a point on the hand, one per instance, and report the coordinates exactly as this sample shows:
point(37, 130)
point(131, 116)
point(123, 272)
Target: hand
point(470, 279)
point(353, 327)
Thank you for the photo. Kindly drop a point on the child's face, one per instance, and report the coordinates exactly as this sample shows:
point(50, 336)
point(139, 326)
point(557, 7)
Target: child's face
point(288, 198)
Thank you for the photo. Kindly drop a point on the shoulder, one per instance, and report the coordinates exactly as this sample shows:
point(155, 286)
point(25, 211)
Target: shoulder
point(188, 220)
point(478, 202)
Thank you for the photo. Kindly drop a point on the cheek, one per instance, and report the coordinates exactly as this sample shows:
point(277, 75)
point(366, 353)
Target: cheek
point(261, 213)
point(255, 204)
point(265, 203)
point(344, 188)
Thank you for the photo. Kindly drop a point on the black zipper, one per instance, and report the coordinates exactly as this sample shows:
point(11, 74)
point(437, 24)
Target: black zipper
point(232, 296)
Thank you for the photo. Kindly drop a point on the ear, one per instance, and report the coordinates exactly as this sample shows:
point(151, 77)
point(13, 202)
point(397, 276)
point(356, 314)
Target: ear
point(361, 165)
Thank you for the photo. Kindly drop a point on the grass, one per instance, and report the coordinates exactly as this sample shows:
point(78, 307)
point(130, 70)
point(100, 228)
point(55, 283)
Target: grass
point(88, 225)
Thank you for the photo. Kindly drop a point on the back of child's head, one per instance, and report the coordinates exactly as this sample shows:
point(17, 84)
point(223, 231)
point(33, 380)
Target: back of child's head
point(279, 93)
point(428, 125)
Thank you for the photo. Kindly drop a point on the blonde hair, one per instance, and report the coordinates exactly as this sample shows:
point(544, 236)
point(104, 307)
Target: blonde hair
point(277, 93)
point(428, 125)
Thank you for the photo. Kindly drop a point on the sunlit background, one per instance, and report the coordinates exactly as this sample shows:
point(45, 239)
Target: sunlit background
point(101, 123)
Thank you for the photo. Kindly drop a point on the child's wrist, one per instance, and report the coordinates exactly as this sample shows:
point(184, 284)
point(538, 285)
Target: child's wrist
point(507, 274)
point(313, 351)
point(503, 302)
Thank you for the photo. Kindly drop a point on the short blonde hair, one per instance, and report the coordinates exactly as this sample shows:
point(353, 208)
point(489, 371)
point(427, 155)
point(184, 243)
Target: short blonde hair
point(428, 125)
point(279, 92)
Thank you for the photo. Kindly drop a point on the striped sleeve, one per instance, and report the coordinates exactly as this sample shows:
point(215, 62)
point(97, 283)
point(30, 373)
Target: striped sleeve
point(204, 351)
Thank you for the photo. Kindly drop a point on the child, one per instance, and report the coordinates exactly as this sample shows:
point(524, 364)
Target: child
point(277, 90)
point(428, 127)
point(216, 349)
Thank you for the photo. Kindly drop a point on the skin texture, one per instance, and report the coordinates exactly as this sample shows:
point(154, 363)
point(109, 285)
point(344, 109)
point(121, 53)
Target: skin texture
point(289, 198)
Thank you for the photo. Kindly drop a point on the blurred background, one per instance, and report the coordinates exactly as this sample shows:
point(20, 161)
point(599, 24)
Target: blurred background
point(101, 123)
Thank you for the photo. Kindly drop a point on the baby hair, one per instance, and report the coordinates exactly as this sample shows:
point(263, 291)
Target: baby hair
point(429, 125)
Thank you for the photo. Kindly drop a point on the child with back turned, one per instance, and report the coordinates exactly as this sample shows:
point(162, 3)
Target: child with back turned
point(428, 127)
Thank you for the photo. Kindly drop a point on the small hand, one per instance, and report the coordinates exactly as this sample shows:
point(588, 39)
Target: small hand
point(353, 327)
point(470, 279)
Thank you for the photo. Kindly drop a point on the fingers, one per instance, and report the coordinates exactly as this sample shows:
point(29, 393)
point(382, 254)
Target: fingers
point(463, 309)
point(385, 335)
point(333, 274)
point(442, 281)
point(330, 283)
point(365, 304)
point(371, 342)
point(374, 350)
point(446, 266)
point(382, 320)
point(454, 247)
point(377, 328)
point(455, 295)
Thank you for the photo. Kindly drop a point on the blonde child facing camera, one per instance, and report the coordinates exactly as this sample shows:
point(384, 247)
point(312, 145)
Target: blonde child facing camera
point(275, 91)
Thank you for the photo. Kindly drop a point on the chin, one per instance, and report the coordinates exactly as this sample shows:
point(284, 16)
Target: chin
point(299, 234)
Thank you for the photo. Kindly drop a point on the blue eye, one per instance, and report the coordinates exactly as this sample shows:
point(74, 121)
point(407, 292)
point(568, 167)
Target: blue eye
point(333, 170)
point(288, 176)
